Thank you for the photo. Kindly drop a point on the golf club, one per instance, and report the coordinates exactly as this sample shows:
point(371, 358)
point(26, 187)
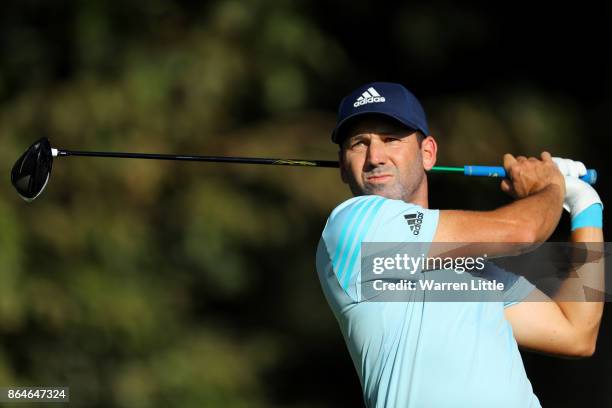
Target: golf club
point(31, 172)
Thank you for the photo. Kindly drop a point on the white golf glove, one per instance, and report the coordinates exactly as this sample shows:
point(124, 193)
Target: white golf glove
point(579, 195)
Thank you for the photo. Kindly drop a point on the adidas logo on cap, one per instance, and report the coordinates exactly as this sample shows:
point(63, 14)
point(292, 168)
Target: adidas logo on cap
point(369, 96)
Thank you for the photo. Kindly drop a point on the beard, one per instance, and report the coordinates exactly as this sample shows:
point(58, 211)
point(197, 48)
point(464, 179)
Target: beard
point(399, 187)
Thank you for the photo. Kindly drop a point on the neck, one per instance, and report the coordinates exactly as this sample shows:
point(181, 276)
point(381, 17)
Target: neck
point(420, 196)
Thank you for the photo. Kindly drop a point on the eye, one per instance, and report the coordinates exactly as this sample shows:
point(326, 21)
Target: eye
point(357, 144)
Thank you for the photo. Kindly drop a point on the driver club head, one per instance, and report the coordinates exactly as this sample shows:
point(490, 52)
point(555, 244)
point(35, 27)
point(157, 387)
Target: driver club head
point(32, 170)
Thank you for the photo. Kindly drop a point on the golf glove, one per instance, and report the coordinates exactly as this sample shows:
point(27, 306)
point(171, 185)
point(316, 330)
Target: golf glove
point(579, 195)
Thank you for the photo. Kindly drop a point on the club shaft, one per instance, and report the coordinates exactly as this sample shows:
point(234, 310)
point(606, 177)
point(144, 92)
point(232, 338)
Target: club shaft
point(486, 171)
point(213, 159)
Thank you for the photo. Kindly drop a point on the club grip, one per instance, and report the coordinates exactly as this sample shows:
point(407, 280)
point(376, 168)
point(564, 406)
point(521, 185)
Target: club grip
point(498, 171)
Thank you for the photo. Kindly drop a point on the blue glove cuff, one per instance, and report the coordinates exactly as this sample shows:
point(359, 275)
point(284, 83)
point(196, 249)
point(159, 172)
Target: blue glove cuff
point(591, 217)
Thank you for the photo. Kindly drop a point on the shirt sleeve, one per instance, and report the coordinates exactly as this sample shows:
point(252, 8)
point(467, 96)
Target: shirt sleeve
point(372, 218)
point(516, 287)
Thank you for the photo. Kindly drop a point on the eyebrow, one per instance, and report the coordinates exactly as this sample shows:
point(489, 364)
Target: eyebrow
point(398, 132)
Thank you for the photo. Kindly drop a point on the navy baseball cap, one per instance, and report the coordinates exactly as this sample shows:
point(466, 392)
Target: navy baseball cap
point(385, 98)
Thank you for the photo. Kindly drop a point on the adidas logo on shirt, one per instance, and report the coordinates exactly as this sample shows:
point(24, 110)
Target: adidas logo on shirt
point(369, 96)
point(414, 222)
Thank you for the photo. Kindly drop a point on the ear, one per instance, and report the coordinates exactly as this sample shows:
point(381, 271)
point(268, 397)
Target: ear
point(429, 152)
point(343, 174)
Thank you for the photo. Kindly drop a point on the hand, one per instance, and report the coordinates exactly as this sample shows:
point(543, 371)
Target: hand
point(527, 176)
point(578, 195)
point(569, 167)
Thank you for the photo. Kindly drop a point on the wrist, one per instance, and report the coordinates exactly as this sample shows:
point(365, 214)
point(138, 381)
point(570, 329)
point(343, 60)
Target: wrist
point(591, 216)
point(556, 193)
point(579, 196)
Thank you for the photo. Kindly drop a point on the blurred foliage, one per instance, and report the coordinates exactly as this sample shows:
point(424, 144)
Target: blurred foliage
point(145, 284)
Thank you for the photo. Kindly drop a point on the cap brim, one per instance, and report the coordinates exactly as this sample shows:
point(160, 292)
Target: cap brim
point(342, 124)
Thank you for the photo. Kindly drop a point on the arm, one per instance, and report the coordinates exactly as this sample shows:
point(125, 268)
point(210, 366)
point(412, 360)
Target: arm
point(530, 219)
point(562, 327)
point(537, 186)
point(569, 323)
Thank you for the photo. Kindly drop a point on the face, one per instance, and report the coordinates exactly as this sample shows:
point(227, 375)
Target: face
point(380, 156)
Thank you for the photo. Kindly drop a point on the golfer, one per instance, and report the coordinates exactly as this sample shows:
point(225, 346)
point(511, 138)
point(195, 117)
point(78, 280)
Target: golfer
point(446, 354)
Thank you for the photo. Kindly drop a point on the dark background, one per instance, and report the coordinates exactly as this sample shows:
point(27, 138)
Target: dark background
point(168, 284)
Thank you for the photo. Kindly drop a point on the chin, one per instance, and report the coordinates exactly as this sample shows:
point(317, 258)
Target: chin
point(390, 195)
point(390, 192)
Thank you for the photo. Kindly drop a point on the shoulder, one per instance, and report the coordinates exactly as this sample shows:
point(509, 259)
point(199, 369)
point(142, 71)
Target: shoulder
point(353, 204)
point(371, 212)
point(360, 207)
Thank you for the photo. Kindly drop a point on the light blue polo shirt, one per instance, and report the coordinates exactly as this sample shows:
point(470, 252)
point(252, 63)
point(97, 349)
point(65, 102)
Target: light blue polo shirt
point(415, 353)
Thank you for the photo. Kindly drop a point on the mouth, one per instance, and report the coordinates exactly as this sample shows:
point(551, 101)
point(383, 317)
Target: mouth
point(379, 178)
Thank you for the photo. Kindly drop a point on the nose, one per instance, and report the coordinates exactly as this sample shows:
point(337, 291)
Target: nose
point(377, 155)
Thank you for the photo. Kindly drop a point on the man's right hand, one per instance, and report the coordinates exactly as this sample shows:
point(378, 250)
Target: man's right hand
point(527, 176)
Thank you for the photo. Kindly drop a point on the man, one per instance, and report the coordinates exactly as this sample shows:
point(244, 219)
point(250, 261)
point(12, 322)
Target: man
point(445, 354)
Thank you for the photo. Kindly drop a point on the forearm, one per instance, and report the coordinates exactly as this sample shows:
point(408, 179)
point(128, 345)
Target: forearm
point(580, 296)
point(537, 186)
point(536, 215)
